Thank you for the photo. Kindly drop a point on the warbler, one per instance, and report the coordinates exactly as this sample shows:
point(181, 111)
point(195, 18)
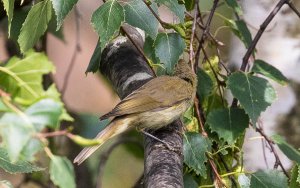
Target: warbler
point(154, 105)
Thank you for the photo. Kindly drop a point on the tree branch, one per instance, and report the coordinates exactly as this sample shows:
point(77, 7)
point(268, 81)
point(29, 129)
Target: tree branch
point(127, 70)
point(75, 52)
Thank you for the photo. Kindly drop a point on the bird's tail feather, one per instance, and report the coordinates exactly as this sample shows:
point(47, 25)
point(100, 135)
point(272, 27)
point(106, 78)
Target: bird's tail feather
point(116, 127)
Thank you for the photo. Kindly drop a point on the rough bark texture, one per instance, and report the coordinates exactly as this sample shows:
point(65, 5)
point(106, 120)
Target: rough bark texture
point(125, 67)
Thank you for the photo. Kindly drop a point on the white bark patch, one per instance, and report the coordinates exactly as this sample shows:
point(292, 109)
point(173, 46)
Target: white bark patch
point(136, 77)
point(116, 44)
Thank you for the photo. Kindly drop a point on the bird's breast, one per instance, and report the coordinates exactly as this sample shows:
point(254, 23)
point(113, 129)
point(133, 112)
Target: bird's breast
point(160, 118)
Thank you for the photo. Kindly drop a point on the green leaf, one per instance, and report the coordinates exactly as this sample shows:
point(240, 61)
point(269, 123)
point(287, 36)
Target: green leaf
point(5, 184)
point(17, 22)
point(263, 68)
point(205, 86)
point(16, 132)
point(55, 95)
point(244, 181)
point(138, 15)
point(62, 172)
point(107, 20)
point(35, 25)
point(295, 177)
point(189, 181)
point(254, 93)
point(52, 28)
point(175, 7)
point(194, 148)
point(45, 112)
point(189, 4)
point(168, 48)
point(18, 167)
point(235, 6)
point(241, 30)
point(150, 50)
point(62, 8)
point(268, 179)
point(9, 8)
point(213, 102)
point(95, 59)
point(287, 149)
point(29, 151)
point(3, 107)
point(22, 78)
point(229, 123)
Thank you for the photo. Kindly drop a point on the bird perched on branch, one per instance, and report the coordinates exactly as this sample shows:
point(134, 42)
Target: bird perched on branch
point(156, 104)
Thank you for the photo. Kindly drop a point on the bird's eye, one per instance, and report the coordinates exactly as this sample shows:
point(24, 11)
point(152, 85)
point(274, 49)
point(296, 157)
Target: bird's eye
point(187, 80)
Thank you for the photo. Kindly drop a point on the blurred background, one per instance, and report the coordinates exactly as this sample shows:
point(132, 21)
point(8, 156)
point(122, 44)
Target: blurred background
point(88, 96)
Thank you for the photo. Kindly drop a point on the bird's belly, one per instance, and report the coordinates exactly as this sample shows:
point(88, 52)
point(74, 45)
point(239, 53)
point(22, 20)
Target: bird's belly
point(160, 118)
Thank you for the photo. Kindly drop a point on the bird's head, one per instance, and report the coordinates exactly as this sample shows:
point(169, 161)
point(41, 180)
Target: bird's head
point(184, 71)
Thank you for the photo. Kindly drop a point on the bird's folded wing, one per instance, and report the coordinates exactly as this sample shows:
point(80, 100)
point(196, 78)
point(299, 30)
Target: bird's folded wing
point(156, 94)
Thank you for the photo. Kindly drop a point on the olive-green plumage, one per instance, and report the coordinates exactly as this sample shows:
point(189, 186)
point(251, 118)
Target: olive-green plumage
point(156, 104)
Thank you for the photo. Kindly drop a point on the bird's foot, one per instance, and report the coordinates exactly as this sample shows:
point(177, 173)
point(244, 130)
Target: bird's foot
point(171, 148)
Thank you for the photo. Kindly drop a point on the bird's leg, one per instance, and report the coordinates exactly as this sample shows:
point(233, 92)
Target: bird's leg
point(157, 139)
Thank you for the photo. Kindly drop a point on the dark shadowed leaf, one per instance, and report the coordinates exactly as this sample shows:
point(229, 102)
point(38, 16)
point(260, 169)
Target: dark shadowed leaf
point(235, 6)
point(16, 24)
point(229, 123)
point(189, 4)
point(241, 30)
point(189, 181)
point(150, 50)
point(95, 59)
point(254, 93)
point(205, 84)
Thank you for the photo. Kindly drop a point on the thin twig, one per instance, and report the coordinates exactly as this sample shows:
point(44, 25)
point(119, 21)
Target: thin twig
point(138, 48)
point(75, 52)
point(263, 143)
point(191, 54)
point(162, 23)
point(271, 144)
point(53, 134)
point(104, 157)
point(214, 168)
point(259, 33)
point(200, 117)
point(200, 46)
point(292, 6)
point(261, 30)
